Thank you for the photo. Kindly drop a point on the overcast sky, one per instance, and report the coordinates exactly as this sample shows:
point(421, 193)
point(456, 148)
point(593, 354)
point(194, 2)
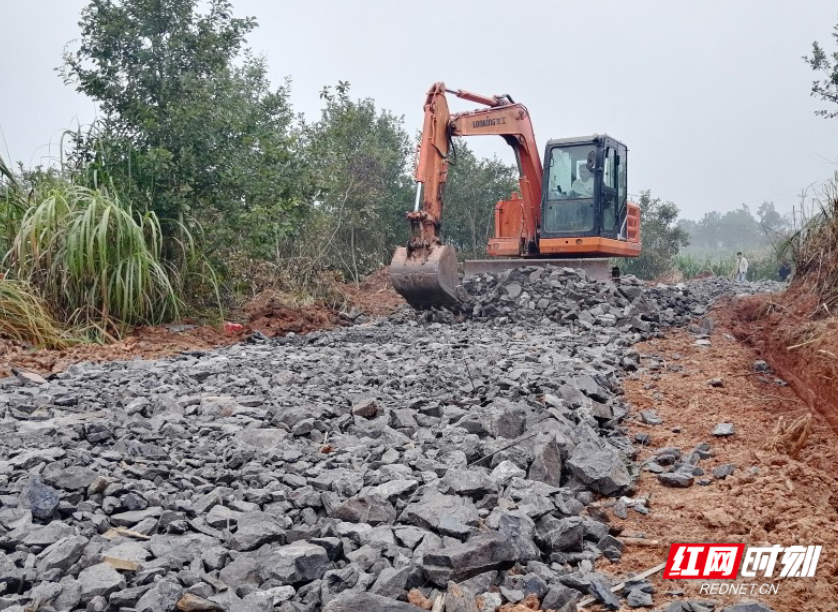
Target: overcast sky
point(711, 96)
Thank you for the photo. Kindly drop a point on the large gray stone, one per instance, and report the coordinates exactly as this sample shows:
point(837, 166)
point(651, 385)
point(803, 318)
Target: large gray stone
point(391, 582)
point(69, 597)
point(181, 548)
point(243, 573)
point(163, 596)
point(61, 555)
point(39, 497)
point(481, 553)
point(447, 514)
point(42, 536)
point(132, 517)
point(254, 530)
point(366, 602)
point(99, 581)
point(11, 576)
point(680, 480)
point(502, 418)
point(262, 438)
point(600, 589)
point(297, 562)
point(75, 478)
point(723, 430)
point(563, 534)
point(560, 596)
point(547, 465)
point(601, 467)
point(369, 509)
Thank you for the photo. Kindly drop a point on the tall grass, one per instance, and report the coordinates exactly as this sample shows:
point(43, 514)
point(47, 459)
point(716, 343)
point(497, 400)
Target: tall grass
point(26, 317)
point(94, 259)
point(814, 247)
point(12, 206)
point(762, 266)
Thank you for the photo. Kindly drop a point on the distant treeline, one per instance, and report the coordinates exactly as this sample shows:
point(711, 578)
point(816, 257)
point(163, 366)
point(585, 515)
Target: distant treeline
point(737, 230)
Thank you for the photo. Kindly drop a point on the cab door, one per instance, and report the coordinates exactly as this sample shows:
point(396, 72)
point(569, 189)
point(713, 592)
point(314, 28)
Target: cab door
point(609, 209)
point(622, 190)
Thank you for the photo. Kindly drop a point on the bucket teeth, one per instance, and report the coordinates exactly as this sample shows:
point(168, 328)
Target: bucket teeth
point(426, 279)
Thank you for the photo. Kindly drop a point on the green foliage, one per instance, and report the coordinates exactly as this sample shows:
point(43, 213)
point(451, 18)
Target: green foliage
point(12, 206)
point(660, 236)
point(474, 187)
point(191, 127)
point(825, 88)
point(95, 261)
point(692, 267)
point(358, 156)
point(764, 266)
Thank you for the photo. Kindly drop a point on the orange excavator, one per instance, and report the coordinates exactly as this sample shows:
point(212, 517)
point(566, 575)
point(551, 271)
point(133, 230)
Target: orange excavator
point(572, 211)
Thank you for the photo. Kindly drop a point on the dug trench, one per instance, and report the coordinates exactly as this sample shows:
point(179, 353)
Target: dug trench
point(761, 486)
point(479, 458)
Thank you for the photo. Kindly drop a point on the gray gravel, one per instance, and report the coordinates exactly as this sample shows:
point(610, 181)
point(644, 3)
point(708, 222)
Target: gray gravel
point(339, 470)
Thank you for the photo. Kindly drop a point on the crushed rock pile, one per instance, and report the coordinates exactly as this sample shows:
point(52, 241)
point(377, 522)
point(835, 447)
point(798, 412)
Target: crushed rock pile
point(354, 469)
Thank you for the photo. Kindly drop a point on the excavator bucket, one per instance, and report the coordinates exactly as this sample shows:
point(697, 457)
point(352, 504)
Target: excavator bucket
point(426, 278)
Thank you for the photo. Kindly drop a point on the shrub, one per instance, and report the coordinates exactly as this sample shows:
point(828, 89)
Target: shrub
point(814, 248)
point(94, 259)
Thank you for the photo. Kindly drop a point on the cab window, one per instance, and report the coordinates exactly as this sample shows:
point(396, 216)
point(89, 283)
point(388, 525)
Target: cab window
point(569, 177)
point(609, 167)
point(622, 180)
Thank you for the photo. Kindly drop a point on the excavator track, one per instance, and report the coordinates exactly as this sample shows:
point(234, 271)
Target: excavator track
point(426, 278)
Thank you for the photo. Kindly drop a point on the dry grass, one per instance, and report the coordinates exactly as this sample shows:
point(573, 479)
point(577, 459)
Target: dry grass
point(26, 317)
point(814, 249)
point(791, 437)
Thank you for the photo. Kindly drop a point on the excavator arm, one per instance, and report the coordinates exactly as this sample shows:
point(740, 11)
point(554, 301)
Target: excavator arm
point(425, 271)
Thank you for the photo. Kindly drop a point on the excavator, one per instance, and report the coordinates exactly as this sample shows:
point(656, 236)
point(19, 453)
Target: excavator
point(573, 211)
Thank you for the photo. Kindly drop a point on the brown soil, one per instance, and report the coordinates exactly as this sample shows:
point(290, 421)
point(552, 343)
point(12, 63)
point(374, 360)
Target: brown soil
point(144, 343)
point(375, 295)
point(798, 335)
point(772, 498)
point(268, 313)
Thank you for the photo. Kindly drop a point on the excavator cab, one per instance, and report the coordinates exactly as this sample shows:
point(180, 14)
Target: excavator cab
point(585, 210)
point(574, 207)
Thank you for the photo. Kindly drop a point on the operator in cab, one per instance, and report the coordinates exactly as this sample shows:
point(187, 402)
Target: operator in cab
point(584, 185)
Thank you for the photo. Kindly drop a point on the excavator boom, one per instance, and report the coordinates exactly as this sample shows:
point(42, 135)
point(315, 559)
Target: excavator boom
point(574, 211)
point(425, 271)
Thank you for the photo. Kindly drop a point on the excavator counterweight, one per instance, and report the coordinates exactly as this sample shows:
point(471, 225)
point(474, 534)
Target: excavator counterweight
point(571, 211)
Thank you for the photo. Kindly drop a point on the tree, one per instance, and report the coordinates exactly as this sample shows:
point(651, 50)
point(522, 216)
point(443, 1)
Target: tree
point(771, 220)
point(359, 158)
point(191, 126)
point(474, 187)
point(660, 235)
point(826, 88)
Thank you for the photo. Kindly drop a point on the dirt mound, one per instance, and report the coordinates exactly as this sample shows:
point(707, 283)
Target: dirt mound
point(271, 315)
point(374, 296)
